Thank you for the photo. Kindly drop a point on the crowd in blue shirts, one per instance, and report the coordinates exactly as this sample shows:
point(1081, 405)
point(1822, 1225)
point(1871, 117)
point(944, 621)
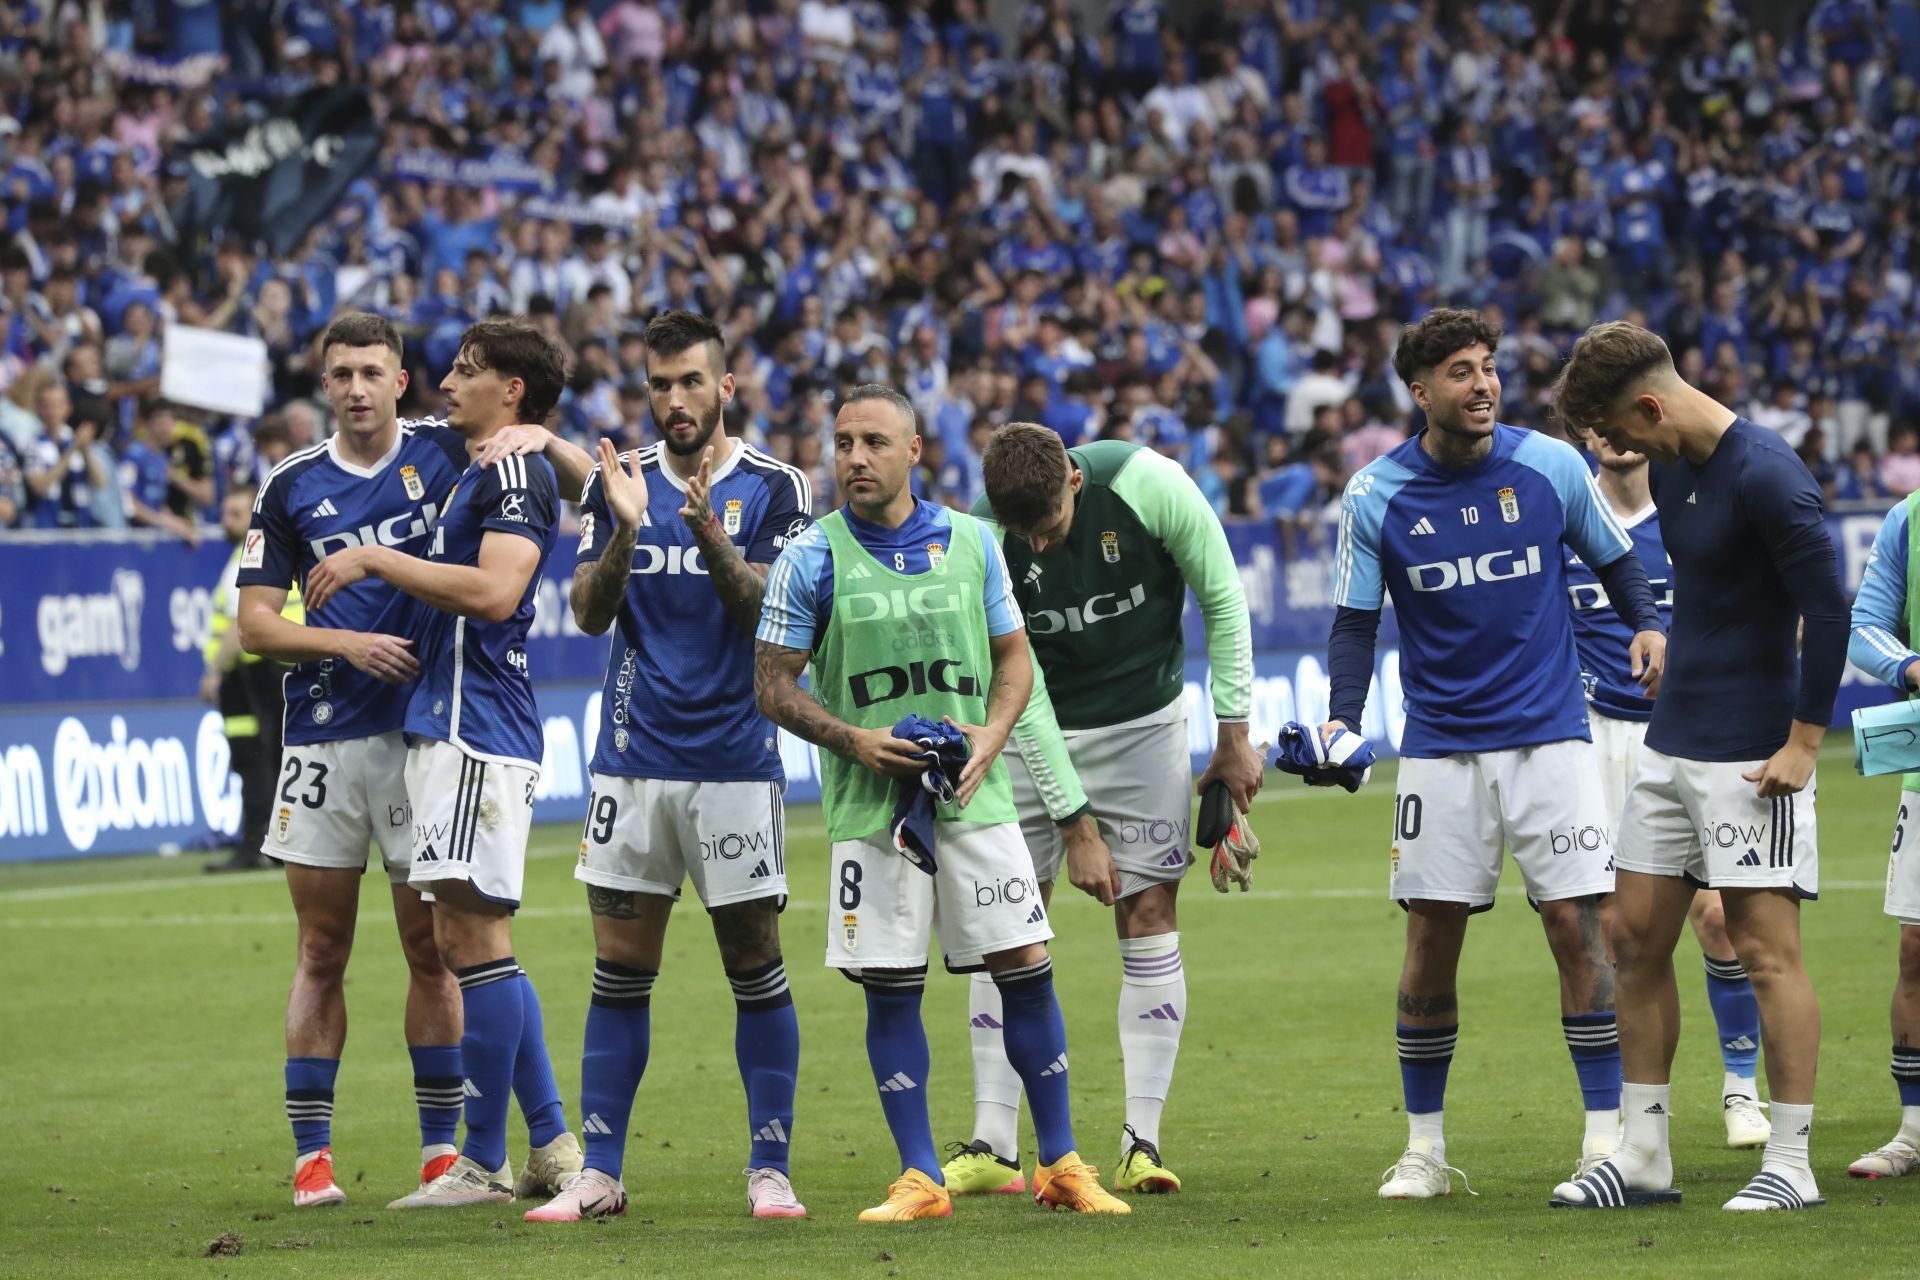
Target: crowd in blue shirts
point(1199, 229)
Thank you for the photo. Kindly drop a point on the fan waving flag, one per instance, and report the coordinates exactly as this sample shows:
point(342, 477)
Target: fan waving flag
point(270, 179)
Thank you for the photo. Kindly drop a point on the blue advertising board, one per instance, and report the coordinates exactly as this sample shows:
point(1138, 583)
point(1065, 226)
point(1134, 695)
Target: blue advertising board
point(103, 748)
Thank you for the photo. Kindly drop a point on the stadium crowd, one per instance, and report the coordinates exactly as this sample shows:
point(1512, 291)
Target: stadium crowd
point(1200, 231)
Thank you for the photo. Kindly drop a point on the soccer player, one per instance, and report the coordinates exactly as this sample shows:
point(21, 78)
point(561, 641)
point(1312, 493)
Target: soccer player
point(1725, 792)
point(903, 609)
point(473, 750)
point(1462, 526)
point(378, 481)
point(1884, 616)
point(1102, 542)
point(675, 543)
point(1620, 710)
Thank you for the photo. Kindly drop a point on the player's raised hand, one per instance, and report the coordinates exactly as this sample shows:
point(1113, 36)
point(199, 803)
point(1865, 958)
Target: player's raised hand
point(1236, 763)
point(698, 511)
point(625, 487)
point(891, 757)
point(1647, 659)
point(336, 573)
point(519, 439)
point(1090, 866)
point(985, 744)
point(386, 658)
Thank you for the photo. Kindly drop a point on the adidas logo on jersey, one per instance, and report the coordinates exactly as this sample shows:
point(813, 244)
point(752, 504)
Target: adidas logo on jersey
point(1033, 574)
point(759, 871)
point(1425, 526)
point(1750, 859)
point(1693, 499)
point(1057, 1067)
point(897, 1083)
point(1165, 1013)
point(1037, 916)
point(771, 1131)
point(326, 508)
point(594, 1124)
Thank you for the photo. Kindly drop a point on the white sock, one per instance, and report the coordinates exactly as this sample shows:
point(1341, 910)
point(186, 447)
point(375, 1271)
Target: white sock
point(1733, 1086)
point(1644, 1158)
point(1153, 1009)
point(1603, 1131)
point(1787, 1148)
point(1429, 1125)
point(1910, 1124)
point(996, 1085)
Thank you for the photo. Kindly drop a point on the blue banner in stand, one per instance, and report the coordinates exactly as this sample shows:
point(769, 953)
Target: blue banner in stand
point(103, 749)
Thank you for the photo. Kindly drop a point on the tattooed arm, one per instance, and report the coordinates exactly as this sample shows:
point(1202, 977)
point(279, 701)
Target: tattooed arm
point(776, 687)
point(615, 495)
point(739, 584)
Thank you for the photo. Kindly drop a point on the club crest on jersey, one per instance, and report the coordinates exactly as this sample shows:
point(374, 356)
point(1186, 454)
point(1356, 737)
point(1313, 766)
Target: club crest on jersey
point(935, 554)
point(1110, 547)
point(410, 478)
point(283, 824)
point(850, 931)
point(322, 712)
point(1509, 506)
point(730, 520)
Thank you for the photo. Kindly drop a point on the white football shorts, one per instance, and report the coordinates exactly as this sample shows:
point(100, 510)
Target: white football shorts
point(1700, 819)
point(648, 835)
point(337, 800)
point(1454, 816)
point(1617, 746)
point(1139, 783)
point(470, 820)
point(1903, 870)
point(882, 911)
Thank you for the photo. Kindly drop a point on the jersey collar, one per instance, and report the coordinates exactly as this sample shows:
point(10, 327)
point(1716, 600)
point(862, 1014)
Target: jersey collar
point(720, 472)
point(1639, 517)
point(354, 468)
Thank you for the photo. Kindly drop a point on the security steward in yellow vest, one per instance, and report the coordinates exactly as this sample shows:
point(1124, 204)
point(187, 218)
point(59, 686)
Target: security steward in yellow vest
point(247, 690)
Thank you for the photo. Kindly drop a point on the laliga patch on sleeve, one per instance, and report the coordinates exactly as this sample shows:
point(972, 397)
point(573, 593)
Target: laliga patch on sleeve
point(586, 533)
point(254, 553)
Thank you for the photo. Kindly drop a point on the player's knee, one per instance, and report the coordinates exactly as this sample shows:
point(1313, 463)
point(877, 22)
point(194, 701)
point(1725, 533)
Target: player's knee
point(1016, 957)
point(323, 953)
point(748, 933)
point(1910, 954)
point(1766, 962)
point(1148, 913)
point(1711, 920)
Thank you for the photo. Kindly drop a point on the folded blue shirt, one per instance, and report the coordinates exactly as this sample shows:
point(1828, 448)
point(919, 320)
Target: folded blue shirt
point(944, 751)
point(1345, 761)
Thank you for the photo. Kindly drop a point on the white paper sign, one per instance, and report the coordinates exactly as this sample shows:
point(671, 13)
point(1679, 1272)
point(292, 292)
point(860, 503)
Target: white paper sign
point(208, 369)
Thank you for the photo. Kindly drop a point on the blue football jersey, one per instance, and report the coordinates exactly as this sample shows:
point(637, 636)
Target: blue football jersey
point(1472, 562)
point(316, 503)
point(678, 701)
point(1602, 637)
point(474, 688)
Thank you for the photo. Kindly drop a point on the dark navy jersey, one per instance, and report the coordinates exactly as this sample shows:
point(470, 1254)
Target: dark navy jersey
point(1751, 555)
point(316, 503)
point(678, 701)
point(1602, 637)
point(474, 688)
point(1472, 561)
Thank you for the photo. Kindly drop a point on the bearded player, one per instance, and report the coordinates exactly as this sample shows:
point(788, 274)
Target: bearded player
point(675, 543)
point(902, 608)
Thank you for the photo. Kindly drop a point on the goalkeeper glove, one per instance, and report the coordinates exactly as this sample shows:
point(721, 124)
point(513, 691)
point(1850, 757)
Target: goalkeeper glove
point(1232, 840)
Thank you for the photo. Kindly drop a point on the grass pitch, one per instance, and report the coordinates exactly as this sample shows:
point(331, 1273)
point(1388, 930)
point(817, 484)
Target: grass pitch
point(140, 1048)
